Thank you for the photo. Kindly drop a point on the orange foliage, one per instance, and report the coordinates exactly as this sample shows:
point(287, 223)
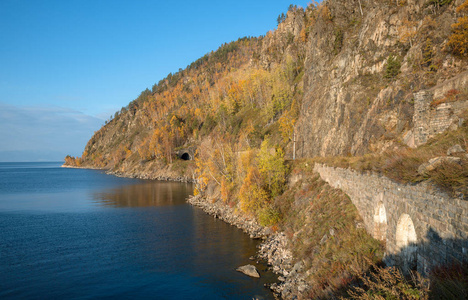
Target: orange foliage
point(458, 41)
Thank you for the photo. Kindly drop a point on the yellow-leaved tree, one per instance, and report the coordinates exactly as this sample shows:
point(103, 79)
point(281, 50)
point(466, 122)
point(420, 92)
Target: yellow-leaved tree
point(272, 167)
point(252, 196)
point(264, 181)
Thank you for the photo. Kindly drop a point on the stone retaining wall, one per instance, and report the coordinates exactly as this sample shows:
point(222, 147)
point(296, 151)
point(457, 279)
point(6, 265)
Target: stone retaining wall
point(421, 227)
point(429, 121)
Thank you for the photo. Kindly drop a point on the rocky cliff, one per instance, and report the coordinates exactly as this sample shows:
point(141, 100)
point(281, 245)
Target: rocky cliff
point(362, 68)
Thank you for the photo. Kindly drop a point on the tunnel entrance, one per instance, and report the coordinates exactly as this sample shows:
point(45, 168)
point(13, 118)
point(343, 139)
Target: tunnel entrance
point(185, 156)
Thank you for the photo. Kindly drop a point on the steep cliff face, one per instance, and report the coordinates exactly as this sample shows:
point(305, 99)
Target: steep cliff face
point(285, 43)
point(361, 71)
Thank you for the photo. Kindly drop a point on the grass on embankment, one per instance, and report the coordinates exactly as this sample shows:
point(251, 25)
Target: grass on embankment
point(402, 165)
point(340, 258)
point(326, 233)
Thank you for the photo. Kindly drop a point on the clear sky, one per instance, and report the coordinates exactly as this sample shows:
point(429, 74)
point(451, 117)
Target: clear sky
point(66, 66)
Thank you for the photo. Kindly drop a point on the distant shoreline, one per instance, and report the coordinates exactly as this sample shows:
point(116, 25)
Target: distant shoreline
point(163, 175)
point(76, 167)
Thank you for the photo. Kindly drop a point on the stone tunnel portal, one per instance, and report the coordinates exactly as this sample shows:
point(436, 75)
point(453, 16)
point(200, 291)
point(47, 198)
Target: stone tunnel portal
point(185, 156)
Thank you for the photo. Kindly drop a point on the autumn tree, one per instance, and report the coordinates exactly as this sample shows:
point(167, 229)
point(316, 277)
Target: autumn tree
point(458, 41)
point(407, 31)
point(272, 167)
point(252, 196)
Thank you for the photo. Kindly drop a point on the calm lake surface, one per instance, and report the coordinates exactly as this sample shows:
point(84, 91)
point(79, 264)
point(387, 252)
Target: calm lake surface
point(82, 234)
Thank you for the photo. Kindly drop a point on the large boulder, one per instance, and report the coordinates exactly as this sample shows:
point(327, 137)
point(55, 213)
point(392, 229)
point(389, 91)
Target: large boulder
point(435, 162)
point(249, 270)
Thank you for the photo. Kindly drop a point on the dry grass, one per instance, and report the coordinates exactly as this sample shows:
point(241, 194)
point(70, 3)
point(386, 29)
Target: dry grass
point(402, 165)
point(451, 96)
point(445, 282)
point(321, 223)
point(450, 282)
point(389, 283)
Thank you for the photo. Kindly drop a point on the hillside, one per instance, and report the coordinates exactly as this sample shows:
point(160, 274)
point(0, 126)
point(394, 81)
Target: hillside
point(372, 85)
point(347, 79)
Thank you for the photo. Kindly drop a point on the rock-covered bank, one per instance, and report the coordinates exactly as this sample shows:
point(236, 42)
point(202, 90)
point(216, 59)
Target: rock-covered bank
point(181, 171)
point(274, 249)
point(162, 174)
point(161, 177)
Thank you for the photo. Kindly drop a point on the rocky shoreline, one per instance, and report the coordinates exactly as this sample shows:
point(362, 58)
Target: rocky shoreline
point(274, 249)
point(139, 175)
point(152, 177)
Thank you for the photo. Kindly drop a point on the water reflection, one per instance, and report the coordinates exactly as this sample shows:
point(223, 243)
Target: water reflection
point(144, 194)
point(60, 228)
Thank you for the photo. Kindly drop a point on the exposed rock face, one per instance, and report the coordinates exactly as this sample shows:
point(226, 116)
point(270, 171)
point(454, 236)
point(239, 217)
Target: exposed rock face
point(284, 43)
point(352, 104)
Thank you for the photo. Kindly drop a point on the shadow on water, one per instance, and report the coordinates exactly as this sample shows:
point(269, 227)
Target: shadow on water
point(145, 194)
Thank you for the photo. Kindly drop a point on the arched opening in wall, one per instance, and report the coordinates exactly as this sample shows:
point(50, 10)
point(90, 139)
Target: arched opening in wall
point(406, 243)
point(380, 222)
point(185, 156)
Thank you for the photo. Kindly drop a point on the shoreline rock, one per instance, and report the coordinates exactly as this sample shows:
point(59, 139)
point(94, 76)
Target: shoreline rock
point(293, 285)
point(228, 215)
point(76, 167)
point(274, 249)
point(185, 179)
point(149, 177)
point(249, 270)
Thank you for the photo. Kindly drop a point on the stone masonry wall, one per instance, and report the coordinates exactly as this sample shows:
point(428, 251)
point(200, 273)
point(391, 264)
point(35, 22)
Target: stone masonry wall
point(421, 117)
point(429, 122)
point(421, 227)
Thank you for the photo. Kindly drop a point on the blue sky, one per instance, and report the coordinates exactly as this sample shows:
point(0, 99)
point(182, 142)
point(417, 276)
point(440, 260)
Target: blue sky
point(66, 66)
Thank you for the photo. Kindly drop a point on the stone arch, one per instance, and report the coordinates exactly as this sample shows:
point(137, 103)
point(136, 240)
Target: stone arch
point(185, 156)
point(380, 222)
point(406, 239)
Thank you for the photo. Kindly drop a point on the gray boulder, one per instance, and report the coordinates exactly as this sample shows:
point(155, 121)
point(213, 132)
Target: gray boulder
point(435, 162)
point(249, 270)
point(455, 149)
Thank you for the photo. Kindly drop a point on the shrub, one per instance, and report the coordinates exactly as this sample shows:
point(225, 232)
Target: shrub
point(269, 216)
point(338, 42)
point(389, 283)
point(393, 67)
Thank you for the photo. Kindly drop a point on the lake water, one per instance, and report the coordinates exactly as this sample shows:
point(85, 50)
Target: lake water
point(82, 234)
